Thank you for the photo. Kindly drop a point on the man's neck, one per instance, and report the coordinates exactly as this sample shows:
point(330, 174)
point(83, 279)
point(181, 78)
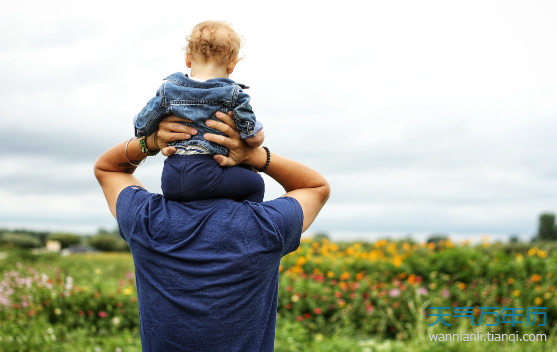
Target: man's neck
point(209, 70)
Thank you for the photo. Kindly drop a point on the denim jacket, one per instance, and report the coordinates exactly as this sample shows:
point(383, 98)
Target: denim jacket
point(198, 101)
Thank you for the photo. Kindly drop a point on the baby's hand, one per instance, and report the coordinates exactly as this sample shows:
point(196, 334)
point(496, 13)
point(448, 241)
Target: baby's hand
point(256, 140)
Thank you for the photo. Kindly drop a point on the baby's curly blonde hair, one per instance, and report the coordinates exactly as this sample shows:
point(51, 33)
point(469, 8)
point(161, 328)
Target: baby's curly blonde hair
point(214, 40)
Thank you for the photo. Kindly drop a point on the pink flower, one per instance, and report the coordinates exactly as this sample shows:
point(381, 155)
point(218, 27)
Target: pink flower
point(395, 292)
point(102, 314)
point(445, 293)
point(422, 291)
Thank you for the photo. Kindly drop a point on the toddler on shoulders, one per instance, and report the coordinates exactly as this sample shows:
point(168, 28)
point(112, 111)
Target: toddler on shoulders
point(192, 173)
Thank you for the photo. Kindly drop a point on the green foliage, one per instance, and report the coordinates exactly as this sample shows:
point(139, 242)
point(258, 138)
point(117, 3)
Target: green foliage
point(108, 243)
point(547, 231)
point(349, 297)
point(436, 238)
point(19, 240)
point(320, 236)
point(65, 239)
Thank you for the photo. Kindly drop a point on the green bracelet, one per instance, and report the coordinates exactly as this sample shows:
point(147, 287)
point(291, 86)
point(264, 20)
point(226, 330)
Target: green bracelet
point(144, 149)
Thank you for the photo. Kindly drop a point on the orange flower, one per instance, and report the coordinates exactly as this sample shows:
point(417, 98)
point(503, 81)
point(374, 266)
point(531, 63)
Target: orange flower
point(536, 278)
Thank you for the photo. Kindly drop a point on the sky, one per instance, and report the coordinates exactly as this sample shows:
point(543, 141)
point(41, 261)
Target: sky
point(425, 116)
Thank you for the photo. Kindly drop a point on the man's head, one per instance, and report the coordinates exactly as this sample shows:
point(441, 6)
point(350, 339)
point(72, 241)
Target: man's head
point(213, 42)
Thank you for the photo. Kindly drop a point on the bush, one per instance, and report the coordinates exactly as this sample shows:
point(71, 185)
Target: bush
point(19, 240)
point(65, 239)
point(108, 243)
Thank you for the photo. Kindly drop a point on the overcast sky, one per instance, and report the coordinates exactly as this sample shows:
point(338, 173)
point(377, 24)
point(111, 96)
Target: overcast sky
point(425, 116)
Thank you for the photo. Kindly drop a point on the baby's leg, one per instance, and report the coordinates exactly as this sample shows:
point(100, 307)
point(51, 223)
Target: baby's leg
point(242, 184)
point(195, 177)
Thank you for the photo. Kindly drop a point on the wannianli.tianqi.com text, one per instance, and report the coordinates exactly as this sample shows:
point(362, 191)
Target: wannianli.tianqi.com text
point(491, 336)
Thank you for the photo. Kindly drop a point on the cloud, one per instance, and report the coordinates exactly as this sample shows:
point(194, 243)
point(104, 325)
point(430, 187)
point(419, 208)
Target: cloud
point(424, 117)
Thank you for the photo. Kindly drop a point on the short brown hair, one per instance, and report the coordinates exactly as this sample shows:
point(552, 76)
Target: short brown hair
point(214, 40)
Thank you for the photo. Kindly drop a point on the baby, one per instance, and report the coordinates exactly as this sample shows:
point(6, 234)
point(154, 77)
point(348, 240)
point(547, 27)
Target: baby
point(192, 173)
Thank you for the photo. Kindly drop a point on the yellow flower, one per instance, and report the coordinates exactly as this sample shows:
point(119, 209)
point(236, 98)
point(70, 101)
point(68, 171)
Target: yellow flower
point(330, 274)
point(532, 251)
point(57, 311)
point(461, 285)
point(547, 295)
point(431, 245)
point(128, 291)
point(519, 257)
point(510, 281)
point(397, 261)
point(516, 293)
point(345, 276)
point(295, 298)
point(538, 300)
point(541, 254)
point(98, 271)
point(391, 248)
point(281, 269)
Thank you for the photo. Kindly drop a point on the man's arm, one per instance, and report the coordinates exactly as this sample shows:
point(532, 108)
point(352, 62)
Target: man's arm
point(300, 182)
point(113, 170)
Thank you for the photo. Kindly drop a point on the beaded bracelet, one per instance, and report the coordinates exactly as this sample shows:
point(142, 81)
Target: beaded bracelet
point(144, 149)
point(268, 160)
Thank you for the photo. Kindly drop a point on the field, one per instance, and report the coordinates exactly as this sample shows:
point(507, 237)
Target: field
point(332, 297)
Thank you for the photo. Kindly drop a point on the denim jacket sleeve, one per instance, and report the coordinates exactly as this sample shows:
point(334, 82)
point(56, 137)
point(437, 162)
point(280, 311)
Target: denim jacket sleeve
point(245, 118)
point(147, 121)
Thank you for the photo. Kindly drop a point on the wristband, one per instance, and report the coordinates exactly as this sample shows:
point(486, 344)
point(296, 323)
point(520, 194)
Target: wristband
point(154, 140)
point(144, 149)
point(268, 160)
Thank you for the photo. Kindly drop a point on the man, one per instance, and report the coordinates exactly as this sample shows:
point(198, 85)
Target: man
point(207, 270)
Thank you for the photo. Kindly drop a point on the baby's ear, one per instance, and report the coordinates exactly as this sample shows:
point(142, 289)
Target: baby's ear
point(231, 66)
point(188, 60)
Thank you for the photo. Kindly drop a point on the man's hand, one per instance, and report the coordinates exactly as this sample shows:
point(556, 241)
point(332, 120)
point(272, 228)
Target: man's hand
point(171, 130)
point(239, 151)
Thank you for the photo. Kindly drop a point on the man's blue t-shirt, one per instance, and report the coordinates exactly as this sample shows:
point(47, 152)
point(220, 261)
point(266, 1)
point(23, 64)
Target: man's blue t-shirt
point(207, 271)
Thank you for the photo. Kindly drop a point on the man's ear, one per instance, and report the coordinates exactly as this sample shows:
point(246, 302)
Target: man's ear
point(188, 60)
point(230, 66)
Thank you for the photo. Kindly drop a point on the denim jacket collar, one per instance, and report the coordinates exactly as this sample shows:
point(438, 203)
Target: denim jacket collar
point(184, 80)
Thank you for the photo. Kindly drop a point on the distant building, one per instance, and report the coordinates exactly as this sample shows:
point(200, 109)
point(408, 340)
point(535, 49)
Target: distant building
point(81, 248)
point(53, 246)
